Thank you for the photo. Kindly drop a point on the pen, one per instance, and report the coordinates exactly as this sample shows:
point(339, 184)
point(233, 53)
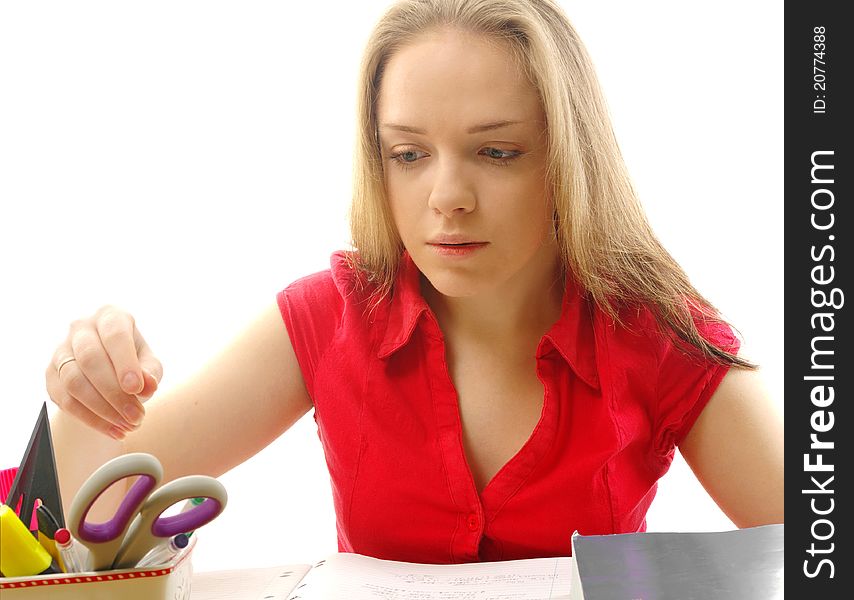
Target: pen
point(164, 553)
point(20, 553)
point(70, 559)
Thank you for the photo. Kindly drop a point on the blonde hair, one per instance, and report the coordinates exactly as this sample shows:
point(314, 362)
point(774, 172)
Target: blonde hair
point(605, 240)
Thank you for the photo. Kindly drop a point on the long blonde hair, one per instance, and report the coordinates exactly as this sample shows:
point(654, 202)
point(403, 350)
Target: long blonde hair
point(605, 240)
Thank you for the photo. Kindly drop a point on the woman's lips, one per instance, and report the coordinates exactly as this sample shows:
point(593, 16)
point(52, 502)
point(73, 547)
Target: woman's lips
point(463, 249)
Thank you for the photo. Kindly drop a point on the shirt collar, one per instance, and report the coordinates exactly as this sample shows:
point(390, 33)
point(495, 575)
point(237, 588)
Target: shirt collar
point(572, 335)
point(407, 304)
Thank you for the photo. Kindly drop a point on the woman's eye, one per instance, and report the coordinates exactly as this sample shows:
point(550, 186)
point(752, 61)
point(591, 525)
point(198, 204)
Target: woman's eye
point(407, 156)
point(499, 154)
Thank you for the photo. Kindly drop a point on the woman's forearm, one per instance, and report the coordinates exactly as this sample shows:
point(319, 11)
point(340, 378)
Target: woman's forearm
point(79, 450)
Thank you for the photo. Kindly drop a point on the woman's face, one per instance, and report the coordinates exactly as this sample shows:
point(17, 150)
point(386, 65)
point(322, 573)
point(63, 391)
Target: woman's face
point(463, 141)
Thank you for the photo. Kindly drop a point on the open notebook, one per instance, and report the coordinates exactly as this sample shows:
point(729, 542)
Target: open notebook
point(357, 577)
point(746, 564)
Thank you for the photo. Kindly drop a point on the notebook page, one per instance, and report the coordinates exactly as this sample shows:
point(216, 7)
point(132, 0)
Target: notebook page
point(357, 577)
point(270, 583)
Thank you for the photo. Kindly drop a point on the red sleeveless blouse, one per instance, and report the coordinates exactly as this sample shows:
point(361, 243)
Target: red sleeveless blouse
point(617, 402)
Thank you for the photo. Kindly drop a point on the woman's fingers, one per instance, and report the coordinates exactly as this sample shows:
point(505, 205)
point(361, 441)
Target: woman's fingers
point(150, 384)
point(91, 379)
point(102, 372)
point(116, 332)
point(69, 404)
point(152, 370)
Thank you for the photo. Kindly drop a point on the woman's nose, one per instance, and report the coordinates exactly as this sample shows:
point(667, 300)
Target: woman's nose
point(452, 193)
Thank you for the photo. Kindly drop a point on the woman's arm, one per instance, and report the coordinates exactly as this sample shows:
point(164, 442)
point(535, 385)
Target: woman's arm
point(735, 449)
point(238, 403)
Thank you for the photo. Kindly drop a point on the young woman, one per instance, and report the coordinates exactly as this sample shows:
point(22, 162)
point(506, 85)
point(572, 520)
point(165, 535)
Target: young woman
point(509, 355)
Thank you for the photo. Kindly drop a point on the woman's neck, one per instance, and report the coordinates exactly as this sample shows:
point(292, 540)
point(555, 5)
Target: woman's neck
point(522, 308)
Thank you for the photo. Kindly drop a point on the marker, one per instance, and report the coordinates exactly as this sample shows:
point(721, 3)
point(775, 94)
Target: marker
point(48, 525)
point(192, 503)
point(71, 562)
point(164, 553)
point(20, 553)
point(189, 505)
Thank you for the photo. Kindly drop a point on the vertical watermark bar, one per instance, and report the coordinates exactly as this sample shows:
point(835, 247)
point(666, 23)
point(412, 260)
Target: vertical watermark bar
point(819, 368)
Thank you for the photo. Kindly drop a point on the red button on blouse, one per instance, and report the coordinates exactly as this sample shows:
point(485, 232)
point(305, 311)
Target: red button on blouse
point(617, 401)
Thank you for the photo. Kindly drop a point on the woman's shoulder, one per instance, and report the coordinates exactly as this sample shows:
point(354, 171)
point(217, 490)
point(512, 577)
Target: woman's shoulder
point(638, 324)
point(342, 283)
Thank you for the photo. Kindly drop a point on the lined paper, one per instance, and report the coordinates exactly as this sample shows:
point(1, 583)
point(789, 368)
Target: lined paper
point(271, 583)
point(357, 577)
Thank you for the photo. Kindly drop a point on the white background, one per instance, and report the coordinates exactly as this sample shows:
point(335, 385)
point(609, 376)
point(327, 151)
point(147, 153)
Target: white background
point(186, 160)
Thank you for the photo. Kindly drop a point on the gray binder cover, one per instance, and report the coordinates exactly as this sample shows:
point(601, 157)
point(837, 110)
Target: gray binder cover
point(744, 564)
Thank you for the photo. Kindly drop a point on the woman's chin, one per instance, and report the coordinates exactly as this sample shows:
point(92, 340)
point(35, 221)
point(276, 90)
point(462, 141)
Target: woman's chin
point(454, 285)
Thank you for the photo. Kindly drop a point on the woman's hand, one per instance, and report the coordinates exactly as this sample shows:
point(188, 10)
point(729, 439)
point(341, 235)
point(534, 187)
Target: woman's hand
point(103, 371)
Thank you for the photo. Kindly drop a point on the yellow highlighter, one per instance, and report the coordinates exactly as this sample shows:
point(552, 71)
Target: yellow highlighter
point(20, 553)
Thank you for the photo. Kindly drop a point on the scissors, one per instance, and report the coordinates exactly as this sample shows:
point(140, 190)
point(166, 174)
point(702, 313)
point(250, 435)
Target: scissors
point(137, 525)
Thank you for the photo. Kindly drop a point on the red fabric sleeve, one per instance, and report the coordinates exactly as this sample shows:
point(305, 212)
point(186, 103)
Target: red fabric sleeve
point(311, 308)
point(685, 384)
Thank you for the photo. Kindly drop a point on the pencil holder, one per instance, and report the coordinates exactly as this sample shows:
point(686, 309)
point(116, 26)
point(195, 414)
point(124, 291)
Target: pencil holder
point(168, 582)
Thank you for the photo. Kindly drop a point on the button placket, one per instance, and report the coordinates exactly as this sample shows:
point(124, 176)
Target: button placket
point(463, 490)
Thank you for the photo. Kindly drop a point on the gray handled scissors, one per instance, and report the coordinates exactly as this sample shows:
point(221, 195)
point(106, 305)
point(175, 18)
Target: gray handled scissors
point(137, 525)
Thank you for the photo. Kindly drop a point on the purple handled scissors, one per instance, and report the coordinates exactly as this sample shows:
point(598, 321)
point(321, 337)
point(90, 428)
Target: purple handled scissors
point(137, 525)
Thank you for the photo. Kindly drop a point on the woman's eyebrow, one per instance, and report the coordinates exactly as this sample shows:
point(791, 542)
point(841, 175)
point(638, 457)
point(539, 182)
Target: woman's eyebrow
point(475, 129)
point(491, 126)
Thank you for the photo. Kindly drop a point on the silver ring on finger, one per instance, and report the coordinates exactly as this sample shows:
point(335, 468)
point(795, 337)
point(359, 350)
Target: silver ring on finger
point(64, 362)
